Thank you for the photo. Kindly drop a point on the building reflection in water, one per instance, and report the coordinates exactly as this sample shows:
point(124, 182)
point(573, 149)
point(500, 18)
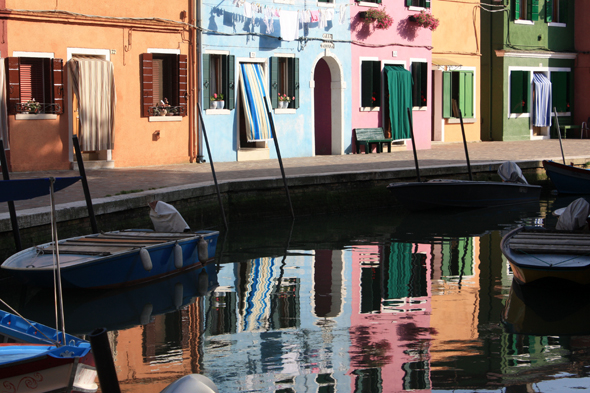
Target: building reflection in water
point(369, 318)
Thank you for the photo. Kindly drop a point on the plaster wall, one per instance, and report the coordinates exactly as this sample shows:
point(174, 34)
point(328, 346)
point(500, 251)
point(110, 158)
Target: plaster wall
point(400, 44)
point(582, 70)
point(229, 31)
point(46, 144)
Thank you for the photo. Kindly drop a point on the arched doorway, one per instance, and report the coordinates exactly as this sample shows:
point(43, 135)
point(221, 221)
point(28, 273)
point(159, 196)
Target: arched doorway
point(328, 104)
point(323, 109)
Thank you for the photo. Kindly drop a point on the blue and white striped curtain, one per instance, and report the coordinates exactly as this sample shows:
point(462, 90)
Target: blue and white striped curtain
point(542, 103)
point(263, 274)
point(253, 96)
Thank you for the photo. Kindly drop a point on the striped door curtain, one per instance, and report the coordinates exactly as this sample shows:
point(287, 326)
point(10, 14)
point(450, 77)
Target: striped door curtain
point(94, 84)
point(253, 96)
point(542, 101)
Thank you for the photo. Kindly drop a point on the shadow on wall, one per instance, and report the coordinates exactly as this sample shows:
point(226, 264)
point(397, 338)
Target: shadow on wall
point(407, 29)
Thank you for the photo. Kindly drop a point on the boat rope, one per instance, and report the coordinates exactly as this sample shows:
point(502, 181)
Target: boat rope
point(12, 310)
point(57, 289)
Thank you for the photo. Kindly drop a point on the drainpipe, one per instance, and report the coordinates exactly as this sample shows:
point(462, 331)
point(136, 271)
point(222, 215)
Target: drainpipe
point(191, 104)
point(198, 79)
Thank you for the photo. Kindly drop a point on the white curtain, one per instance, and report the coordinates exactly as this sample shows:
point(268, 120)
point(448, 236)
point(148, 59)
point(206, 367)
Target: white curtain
point(542, 103)
point(93, 82)
point(3, 107)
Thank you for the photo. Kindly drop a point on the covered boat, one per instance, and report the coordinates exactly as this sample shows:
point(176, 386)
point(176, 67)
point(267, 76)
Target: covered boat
point(468, 193)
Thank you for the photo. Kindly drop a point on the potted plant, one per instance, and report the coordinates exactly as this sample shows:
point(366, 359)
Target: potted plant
point(425, 19)
point(162, 108)
point(216, 101)
point(32, 106)
point(378, 17)
point(284, 101)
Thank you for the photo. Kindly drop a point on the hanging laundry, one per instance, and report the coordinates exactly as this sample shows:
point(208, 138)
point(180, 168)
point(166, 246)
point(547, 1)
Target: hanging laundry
point(322, 23)
point(247, 9)
point(342, 13)
point(329, 14)
point(315, 16)
point(268, 20)
point(542, 103)
point(289, 25)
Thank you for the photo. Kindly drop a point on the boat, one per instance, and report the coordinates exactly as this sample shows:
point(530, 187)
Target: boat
point(113, 259)
point(34, 357)
point(536, 253)
point(441, 193)
point(568, 179)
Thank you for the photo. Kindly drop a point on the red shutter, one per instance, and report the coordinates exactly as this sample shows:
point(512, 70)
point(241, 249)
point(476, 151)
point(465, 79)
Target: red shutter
point(147, 78)
point(157, 81)
point(183, 82)
point(13, 86)
point(58, 85)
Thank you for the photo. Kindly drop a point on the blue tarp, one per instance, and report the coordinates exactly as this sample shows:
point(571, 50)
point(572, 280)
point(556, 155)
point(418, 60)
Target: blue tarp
point(21, 189)
point(542, 103)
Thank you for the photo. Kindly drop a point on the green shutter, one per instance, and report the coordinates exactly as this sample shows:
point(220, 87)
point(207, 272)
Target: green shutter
point(535, 10)
point(366, 84)
point(376, 83)
point(274, 82)
point(563, 14)
point(230, 86)
point(408, 3)
point(526, 86)
point(206, 82)
point(416, 87)
point(424, 83)
point(517, 9)
point(427, 3)
point(447, 98)
point(559, 84)
point(295, 81)
point(516, 91)
point(549, 11)
point(467, 102)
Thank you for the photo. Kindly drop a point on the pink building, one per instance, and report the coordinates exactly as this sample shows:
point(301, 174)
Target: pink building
point(391, 70)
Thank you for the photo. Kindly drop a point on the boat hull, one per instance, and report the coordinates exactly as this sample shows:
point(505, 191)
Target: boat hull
point(115, 270)
point(568, 179)
point(464, 194)
point(530, 266)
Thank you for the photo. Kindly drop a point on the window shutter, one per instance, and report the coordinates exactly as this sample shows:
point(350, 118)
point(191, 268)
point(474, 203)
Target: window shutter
point(230, 95)
point(274, 82)
point(206, 81)
point(294, 80)
point(147, 86)
point(517, 9)
point(535, 10)
point(467, 108)
point(447, 98)
point(516, 92)
point(408, 3)
point(427, 3)
point(376, 83)
point(526, 86)
point(424, 83)
point(563, 14)
point(549, 11)
point(58, 85)
point(13, 85)
point(416, 85)
point(559, 89)
point(183, 83)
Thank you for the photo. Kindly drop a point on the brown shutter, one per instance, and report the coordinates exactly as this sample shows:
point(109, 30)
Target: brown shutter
point(147, 78)
point(57, 68)
point(13, 85)
point(183, 82)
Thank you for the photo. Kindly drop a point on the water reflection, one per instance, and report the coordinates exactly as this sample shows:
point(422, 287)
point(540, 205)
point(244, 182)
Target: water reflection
point(399, 302)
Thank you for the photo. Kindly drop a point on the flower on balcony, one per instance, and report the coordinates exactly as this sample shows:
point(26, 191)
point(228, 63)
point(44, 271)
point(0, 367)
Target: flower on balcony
point(31, 106)
point(217, 97)
point(425, 19)
point(285, 97)
point(378, 17)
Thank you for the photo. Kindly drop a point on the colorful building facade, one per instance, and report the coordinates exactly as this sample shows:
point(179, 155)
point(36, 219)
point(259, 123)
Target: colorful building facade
point(528, 62)
point(98, 71)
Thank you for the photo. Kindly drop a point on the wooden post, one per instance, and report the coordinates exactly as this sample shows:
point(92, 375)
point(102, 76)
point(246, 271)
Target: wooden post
point(85, 184)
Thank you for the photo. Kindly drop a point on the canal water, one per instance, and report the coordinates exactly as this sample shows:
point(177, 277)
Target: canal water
point(376, 301)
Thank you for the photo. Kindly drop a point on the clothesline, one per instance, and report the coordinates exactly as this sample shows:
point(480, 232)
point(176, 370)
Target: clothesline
point(291, 21)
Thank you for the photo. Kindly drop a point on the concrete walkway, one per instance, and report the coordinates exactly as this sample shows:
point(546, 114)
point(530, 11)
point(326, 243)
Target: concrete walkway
point(107, 186)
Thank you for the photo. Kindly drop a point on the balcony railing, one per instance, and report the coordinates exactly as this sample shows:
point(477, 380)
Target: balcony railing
point(167, 111)
point(40, 107)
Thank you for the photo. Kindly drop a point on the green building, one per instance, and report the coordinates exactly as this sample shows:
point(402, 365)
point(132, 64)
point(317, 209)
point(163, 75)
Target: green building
point(528, 58)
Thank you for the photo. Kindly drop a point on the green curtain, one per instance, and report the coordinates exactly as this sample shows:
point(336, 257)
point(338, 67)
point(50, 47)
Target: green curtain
point(399, 86)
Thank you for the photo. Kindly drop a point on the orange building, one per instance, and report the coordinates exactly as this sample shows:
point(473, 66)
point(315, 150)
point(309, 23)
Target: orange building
point(456, 62)
point(120, 75)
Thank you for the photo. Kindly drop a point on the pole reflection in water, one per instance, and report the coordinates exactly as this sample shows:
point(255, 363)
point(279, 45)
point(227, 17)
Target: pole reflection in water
point(350, 305)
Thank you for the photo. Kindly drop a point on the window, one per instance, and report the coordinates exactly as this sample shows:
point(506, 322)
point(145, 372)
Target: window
point(458, 94)
point(164, 76)
point(526, 10)
point(520, 91)
point(556, 11)
point(420, 83)
point(38, 78)
point(418, 3)
point(560, 91)
point(370, 83)
point(219, 78)
point(284, 79)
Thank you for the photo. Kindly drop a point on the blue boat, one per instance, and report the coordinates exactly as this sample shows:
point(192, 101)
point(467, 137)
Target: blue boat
point(113, 259)
point(41, 359)
point(568, 179)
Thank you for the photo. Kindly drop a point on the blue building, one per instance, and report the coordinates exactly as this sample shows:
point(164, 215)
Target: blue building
point(297, 53)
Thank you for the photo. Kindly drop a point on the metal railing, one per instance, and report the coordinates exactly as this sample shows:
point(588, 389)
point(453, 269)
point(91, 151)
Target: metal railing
point(38, 108)
point(167, 110)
